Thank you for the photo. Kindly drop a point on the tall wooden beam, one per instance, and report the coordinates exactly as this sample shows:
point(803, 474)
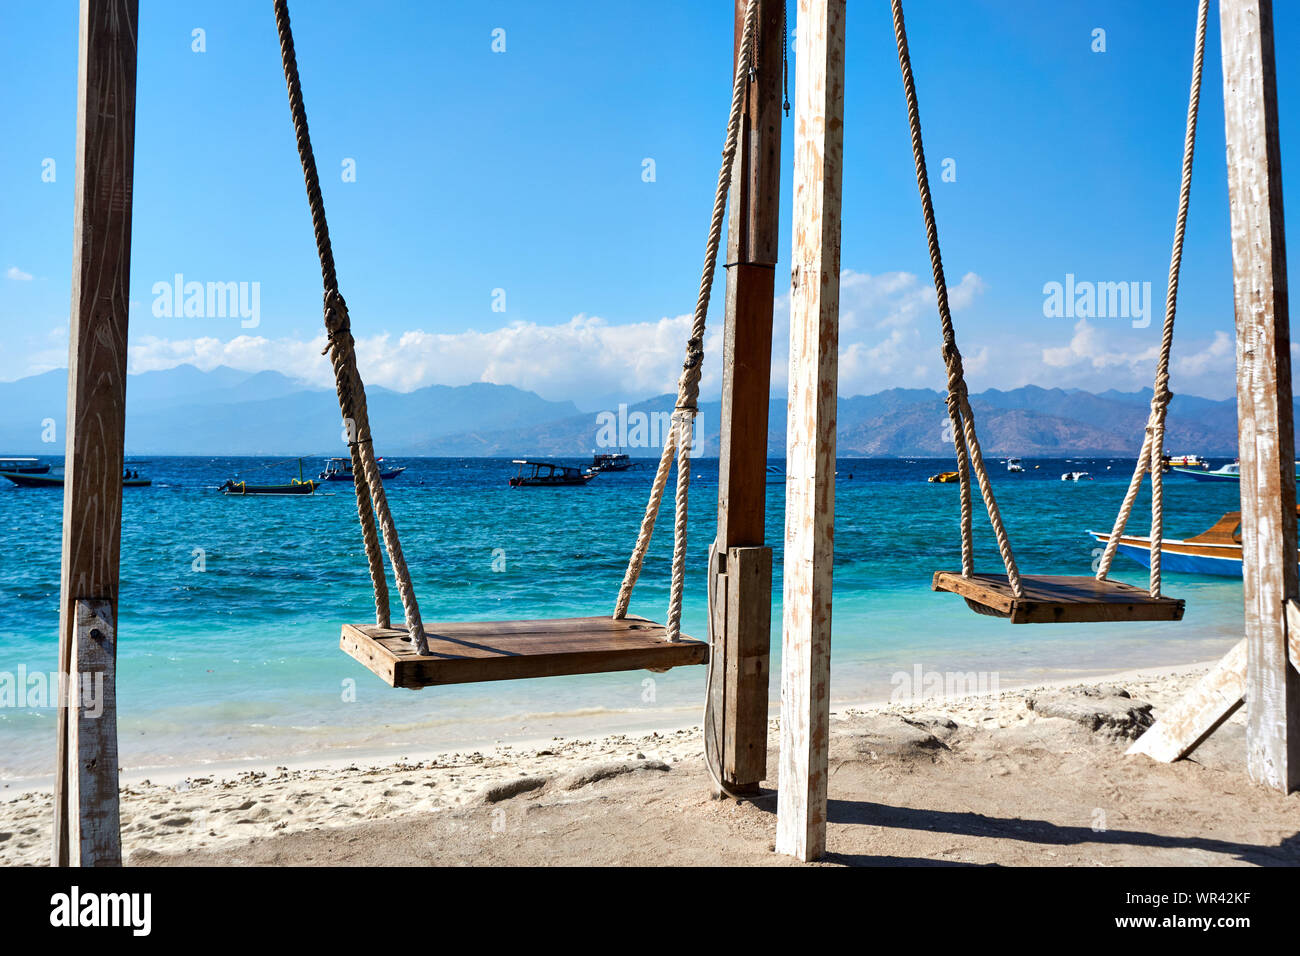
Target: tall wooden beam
point(810, 462)
point(742, 589)
point(86, 830)
point(1266, 438)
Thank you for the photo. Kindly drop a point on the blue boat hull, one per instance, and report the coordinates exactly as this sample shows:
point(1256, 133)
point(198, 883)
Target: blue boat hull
point(1226, 567)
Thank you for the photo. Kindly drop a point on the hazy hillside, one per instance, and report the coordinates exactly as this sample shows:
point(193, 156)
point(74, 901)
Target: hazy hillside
point(185, 411)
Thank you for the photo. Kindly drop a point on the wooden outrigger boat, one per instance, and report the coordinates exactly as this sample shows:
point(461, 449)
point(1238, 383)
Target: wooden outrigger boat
point(299, 486)
point(295, 487)
point(1217, 550)
point(545, 474)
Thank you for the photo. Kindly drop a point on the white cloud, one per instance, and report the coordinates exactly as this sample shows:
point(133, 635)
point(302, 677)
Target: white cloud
point(889, 338)
point(1101, 357)
point(1094, 346)
point(584, 355)
point(889, 331)
point(17, 274)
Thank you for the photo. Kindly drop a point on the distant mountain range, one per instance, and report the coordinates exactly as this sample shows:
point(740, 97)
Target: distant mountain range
point(185, 411)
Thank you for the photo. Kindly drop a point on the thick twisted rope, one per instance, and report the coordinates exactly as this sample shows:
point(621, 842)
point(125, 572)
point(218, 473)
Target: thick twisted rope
point(965, 441)
point(1151, 457)
point(372, 502)
point(688, 385)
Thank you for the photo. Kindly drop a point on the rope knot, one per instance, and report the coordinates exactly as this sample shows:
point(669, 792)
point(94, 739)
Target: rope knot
point(1160, 400)
point(694, 353)
point(957, 394)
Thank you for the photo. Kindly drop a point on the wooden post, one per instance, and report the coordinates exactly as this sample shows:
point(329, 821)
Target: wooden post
point(743, 586)
point(1266, 438)
point(86, 829)
point(810, 462)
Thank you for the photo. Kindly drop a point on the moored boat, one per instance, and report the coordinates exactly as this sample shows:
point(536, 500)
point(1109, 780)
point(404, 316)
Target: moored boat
point(298, 486)
point(610, 461)
point(943, 478)
point(1014, 465)
point(295, 487)
point(340, 469)
point(1216, 550)
point(546, 474)
point(1076, 476)
point(27, 480)
point(1187, 461)
point(1228, 472)
point(23, 466)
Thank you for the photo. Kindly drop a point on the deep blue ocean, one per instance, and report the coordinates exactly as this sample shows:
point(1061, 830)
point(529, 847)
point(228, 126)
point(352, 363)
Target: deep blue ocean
point(230, 607)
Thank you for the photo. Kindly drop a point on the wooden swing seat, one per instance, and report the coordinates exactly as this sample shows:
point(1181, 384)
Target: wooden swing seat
point(1058, 600)
point(467, 652)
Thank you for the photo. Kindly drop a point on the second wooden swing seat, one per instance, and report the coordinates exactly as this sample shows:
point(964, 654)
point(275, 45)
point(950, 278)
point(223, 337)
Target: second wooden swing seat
point(1058, 600)
point(1038, 599)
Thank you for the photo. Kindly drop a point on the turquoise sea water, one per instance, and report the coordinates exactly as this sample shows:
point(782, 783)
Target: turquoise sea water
point(240, 659)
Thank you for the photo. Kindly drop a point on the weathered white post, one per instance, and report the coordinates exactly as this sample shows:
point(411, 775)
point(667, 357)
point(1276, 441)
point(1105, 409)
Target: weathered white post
point(1265, 430)
point(810, 452)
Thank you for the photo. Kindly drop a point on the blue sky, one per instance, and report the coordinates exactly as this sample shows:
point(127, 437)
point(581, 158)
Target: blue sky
point(522, 171)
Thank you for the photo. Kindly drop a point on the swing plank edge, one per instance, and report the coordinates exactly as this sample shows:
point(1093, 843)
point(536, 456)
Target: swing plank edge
point(1059, 600)
point(467, 652)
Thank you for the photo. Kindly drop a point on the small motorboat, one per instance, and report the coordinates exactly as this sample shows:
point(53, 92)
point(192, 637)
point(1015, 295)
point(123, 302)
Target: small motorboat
point(340, 469)
point(1228, 472)
point(23, 466)
point(546, 474)
point(611, 461)
point(1217, 550)
point(1014, 465)
point(1076, 476)
point(944, 478)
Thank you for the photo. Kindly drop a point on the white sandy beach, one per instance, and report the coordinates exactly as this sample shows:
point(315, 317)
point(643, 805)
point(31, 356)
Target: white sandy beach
point(1029, 770)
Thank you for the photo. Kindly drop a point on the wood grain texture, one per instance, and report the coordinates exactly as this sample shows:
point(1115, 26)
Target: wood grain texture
point(1293, 632)
point(1199, 712)
point(1265, 428)
point(747, 663)
point(94, 832)
point(1059, 600)
point(810, 461)
point(465, 652)
point(752, 242)
point(92, 496)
